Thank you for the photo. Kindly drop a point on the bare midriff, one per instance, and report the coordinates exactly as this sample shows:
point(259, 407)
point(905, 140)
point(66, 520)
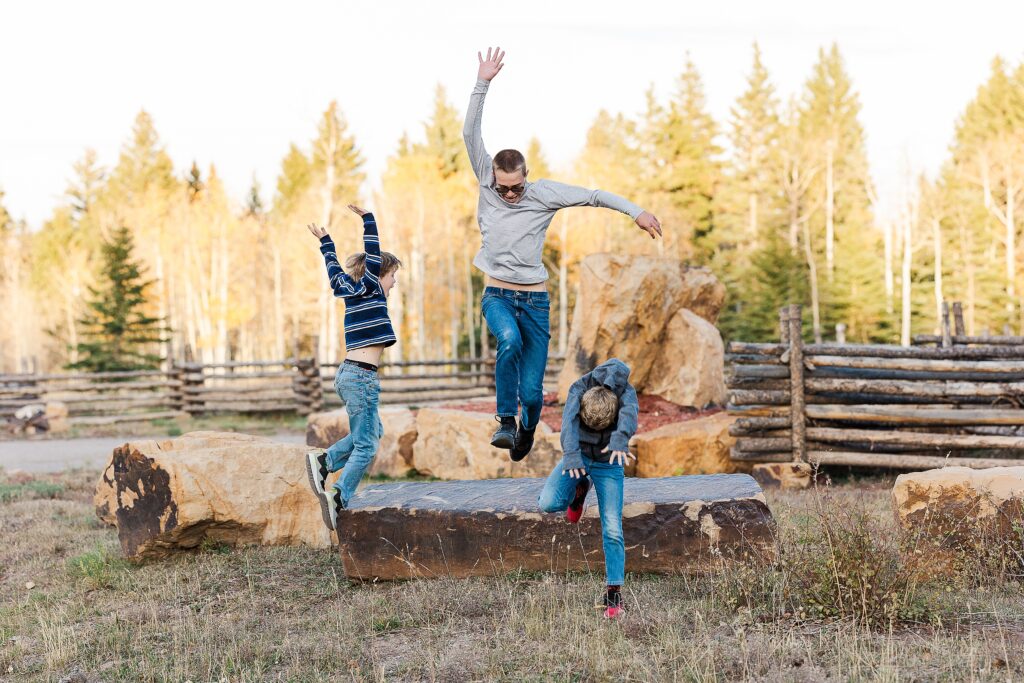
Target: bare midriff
point(367, 354)
point(536, 287)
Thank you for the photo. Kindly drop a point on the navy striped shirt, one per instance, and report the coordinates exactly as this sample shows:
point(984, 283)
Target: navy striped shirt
point(366, 308)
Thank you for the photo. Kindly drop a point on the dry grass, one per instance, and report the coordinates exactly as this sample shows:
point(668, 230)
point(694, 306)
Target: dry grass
point(286, 613)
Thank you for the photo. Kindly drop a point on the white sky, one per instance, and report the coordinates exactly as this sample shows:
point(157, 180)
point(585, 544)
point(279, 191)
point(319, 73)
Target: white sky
point(234, 83)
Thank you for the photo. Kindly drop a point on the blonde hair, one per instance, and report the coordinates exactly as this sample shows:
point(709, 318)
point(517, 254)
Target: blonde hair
point(598, 408)
point(355, 265)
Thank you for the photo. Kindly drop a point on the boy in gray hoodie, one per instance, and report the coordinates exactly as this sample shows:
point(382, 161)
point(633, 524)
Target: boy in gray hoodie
point(599, 418)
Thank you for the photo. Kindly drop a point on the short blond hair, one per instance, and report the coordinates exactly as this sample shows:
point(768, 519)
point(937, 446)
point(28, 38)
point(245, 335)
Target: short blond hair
point(598, 408)
point(355, 264)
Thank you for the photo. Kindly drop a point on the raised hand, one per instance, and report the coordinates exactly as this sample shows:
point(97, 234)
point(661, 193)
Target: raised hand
point(490, 67)
point(649, 224)
point(318, 232)
point(355, 209)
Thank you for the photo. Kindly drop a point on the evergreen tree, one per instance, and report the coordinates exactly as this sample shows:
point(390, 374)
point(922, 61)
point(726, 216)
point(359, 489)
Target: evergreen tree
point(444, 137)
point(680, 139)
point(119, 333)
point(846, 245)
point(293, 182)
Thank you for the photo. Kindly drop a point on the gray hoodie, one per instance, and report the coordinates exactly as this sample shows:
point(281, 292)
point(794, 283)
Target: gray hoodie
point(613, 374)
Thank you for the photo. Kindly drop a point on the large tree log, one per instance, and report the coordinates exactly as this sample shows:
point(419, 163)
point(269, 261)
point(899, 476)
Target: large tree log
point(761, 371)
point(919, 440)
point(764, 445)
point(756, 424)
point(477, 528)
point(914, 415)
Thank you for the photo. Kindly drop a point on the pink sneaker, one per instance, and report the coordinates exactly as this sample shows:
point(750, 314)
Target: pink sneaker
point(575, 509)
point(613, 612)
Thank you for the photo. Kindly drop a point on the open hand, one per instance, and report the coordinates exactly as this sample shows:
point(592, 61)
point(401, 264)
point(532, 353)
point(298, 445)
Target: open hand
point(355, 209)
point(620, 457)
point(577, 473)
point(318, 232)
point(490, 67)
point(649, 224)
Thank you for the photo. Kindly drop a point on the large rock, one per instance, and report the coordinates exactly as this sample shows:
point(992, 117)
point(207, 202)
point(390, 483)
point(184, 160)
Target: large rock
point(959, 503)
point(788, 476)
point(229, 488)
point(473, 528)
point(456, 444)
point(394, 455)
point(698, 446)
point(658, 316)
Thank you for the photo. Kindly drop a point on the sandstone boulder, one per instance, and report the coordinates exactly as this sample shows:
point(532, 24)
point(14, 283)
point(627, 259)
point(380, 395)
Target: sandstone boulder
point(455, 444)
point(699, 446)
point(475, 528)
point(788, 476)
point(395, 454)
point(172, 494)
point(959, 503)
point(658, 316)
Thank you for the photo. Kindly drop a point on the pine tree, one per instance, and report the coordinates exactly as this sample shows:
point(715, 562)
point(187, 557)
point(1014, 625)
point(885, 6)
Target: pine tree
point(119, 333)
point(444, 137)
point(844, 241)
point(680, 139)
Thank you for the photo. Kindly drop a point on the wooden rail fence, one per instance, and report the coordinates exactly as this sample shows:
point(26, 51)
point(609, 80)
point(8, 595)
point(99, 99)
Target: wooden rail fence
point(950, 399)
point(293, 385)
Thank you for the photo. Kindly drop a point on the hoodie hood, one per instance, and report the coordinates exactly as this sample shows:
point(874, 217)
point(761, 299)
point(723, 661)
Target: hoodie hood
point(613, 374)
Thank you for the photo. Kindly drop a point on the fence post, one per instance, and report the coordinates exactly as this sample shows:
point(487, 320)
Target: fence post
point(784, 324)
point(947, 339)
point(192, 380)
point(958, 319)
point(175, 391)
point(307, 386)
point(840, 333)
point(797, 417)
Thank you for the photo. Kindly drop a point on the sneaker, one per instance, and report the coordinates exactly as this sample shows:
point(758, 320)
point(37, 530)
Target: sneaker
point(522, 444)
point(613, 608)
point(329, 505)
point(316, 469)
point(505, 436)
point(575, 509)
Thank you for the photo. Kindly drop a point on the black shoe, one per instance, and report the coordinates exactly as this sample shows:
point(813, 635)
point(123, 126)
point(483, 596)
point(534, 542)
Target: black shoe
point(523, 444)
point(505, 436)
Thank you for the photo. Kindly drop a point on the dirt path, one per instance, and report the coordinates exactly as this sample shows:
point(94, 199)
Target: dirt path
point(55, 455)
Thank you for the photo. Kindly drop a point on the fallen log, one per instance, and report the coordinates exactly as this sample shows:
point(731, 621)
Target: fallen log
point(482, 528)
point(764, 445)
point(751, 424)
point(758, 410)
point(741, 397)
point(760, 371)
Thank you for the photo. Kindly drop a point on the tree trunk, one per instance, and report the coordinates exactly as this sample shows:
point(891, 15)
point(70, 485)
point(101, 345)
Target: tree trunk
point(829, 211)
point(813, 272)
point(563, 288)
point(890, 285)
point(908, 248)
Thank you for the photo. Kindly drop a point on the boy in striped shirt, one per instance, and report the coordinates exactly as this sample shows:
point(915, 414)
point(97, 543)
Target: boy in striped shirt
point(368, 331)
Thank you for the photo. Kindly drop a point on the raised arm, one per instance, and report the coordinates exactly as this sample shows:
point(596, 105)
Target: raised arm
point(371, 244)
point(555, 195)
point(472, 132)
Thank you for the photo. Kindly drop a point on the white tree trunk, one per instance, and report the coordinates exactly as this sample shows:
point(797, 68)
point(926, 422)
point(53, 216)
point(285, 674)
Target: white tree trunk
point(829, 211)
point(563, 288)
point(908, 248)
point(937, 240)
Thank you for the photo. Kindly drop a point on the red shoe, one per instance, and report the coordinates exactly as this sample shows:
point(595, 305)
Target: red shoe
point(575, 509)
point(613, 603)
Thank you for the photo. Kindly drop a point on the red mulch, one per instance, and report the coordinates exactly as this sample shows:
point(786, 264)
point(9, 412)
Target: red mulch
point(654, 411)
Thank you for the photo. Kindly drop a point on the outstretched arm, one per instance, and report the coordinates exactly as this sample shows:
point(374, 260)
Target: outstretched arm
point(557, 195)
point(371, 244)
point(341, 283)
point(472, 130)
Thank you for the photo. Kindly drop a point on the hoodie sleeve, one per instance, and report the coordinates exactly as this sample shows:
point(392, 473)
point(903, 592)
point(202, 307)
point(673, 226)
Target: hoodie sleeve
point(629, 411)
point(572, 456)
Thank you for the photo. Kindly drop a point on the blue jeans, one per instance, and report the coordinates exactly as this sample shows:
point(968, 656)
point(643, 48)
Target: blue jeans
point(519, 321)
point(360, 390)
point(560, 489)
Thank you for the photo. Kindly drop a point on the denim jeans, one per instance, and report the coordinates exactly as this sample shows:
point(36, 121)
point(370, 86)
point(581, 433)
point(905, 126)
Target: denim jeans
point(519, 321)
point(560, 489)
point(360, 390)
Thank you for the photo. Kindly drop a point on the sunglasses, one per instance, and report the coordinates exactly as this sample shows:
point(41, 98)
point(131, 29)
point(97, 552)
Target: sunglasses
point(506, 189)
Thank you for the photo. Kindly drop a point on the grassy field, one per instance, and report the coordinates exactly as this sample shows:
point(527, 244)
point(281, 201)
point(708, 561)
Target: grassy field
point(841, 603)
